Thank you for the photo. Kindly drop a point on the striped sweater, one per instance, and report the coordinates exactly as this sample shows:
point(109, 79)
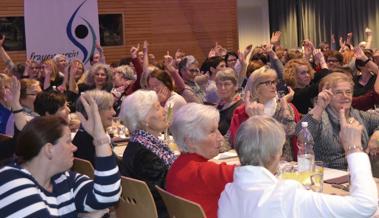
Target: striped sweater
point(22, 196)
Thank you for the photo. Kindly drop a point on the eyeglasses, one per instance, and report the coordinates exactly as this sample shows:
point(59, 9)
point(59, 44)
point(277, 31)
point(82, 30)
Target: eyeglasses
point(232, 60)
point(224, 84)
point(340, 93)
point(269, 82)
point(332, 61)
point(196, 70)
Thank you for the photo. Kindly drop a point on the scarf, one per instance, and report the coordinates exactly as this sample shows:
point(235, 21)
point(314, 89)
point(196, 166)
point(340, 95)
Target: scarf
point(155, 145)
point(270, 107)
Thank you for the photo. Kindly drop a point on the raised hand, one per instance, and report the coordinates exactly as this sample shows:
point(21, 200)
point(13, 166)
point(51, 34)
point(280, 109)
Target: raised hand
point(290, 94)
point(134, 51)
point(351, 131)
point(212, 53)
point(247, 50)
point(324, 98)
point(275, 38)
point(220, 51)
point(373, 144)
point(12, 95)
point(359, 54)
point(252, 108)
point(169, 62)
point(145, 46)
point(349, 37)
point(368, 32)
point(318, 55)
point(93, 122)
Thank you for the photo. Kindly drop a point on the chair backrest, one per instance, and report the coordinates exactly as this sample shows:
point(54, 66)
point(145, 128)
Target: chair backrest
point(179, 207)
point(136, 200)
point(4, 137)
point(83, 167)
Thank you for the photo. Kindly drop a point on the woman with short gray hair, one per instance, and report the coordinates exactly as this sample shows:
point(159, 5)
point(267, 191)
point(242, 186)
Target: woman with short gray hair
point(83, 140)
point(192, 176)
point(256, 192)
point(146, 157)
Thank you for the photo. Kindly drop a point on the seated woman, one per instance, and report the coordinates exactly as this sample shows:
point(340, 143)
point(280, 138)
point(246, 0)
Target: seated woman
point(192, 176)
point(146, 157)
point(6, 119)
point(256, 192)
point(226, 83)
point(161, 82)
point(265, 101)
point(99, 77)
point(301, 77)
point(43, 186)
point(83, 140)
point(336, 92)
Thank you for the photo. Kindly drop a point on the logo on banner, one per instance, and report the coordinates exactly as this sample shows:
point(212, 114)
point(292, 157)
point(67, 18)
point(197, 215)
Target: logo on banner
point(81, 31)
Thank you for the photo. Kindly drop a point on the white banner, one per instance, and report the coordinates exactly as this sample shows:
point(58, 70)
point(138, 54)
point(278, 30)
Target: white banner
point(69, 27)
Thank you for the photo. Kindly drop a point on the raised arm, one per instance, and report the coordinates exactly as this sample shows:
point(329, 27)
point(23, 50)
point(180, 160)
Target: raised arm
point(363, 198)
point(169, 63)
point(369, 35)
point(105, 190)
point(20, 118)
point(333, 45)
point(4, 55)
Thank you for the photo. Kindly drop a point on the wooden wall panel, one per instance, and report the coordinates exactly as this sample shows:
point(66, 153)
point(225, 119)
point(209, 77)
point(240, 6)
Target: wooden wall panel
point(192, 25)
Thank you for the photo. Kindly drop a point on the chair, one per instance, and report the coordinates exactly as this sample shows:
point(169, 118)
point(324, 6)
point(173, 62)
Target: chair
point(4, 137)
point(136, 200)
point(83, 167)
point(179, 207)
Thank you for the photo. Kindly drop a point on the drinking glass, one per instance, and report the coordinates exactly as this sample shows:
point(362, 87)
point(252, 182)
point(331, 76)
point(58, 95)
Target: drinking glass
point(317, 177)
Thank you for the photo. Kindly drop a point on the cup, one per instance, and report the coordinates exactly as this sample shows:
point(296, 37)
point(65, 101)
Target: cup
point(317, 177)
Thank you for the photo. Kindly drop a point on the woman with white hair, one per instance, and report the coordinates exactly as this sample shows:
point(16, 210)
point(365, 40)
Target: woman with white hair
point(192, 176)
point(256, 192)
point(83, 140)
point(146, 157)
point(264, 101)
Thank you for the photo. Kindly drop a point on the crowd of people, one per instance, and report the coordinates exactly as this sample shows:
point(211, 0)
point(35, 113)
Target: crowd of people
point(252, 100)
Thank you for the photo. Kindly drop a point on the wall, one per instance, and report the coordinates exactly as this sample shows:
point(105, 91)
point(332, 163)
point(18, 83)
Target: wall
point(192, 25)
point(253, 22)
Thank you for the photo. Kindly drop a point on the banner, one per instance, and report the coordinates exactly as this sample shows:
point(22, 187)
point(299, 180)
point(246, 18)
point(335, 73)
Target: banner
point(68, 27)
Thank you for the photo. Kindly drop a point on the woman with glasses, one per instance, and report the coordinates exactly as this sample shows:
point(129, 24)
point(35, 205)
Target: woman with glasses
point(262, 99)
point(189, 69)
point(336, 92)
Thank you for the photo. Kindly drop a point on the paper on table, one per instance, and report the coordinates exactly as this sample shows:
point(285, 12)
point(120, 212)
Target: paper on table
point(226, 155)
point(333, 173)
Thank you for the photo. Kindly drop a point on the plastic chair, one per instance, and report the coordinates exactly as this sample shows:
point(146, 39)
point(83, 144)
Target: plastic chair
point(136, 200)
point(179, 207)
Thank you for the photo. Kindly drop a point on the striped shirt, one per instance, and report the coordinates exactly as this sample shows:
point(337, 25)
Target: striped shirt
point(22, 196)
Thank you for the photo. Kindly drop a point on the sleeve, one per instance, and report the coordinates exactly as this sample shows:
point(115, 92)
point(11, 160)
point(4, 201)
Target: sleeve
point(139, 70)
point(371, 121)
point(190, 96)
point(239, 116)
point(366, 101)
point(104, 191)
point(362, 201)
point(277, 65)
point(216, 176)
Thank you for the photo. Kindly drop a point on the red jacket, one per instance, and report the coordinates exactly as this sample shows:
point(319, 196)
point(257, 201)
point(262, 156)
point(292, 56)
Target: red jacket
point(195, 178)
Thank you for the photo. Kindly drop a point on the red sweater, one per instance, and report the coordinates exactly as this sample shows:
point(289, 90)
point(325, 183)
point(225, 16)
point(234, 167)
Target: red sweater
point(196, 179)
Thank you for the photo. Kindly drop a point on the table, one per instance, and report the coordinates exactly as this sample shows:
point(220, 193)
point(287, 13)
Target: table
point(231, 158)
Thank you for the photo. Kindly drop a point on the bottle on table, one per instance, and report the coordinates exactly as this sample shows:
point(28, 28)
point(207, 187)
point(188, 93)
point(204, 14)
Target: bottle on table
point(305, 154)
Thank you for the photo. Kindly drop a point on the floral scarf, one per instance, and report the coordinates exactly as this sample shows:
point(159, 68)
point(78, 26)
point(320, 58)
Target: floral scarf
point(155, 145)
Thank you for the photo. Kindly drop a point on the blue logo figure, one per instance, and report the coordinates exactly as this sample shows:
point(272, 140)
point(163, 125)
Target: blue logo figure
point(81, 32)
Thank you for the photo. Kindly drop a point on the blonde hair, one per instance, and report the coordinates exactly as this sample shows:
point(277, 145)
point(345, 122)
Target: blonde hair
point(331, 80)
point(257, 77)
point(290, 71)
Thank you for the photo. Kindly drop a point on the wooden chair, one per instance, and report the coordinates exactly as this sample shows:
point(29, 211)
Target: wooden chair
point(4, 137)
point(136, 200)
point(179, 207)
point(83, 167)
